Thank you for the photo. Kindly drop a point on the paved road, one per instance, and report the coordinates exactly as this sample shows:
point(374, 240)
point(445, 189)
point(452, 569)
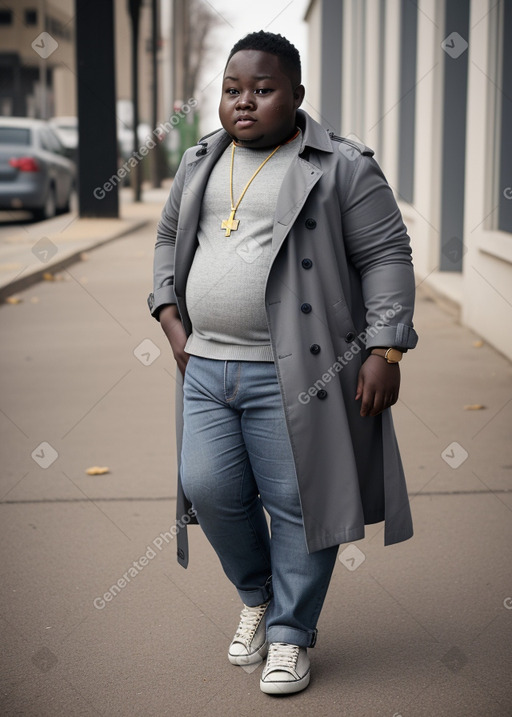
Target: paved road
point(419, 629)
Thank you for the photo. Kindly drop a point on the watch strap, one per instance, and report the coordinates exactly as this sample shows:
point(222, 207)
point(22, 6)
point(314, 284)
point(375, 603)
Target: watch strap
point(391, 355)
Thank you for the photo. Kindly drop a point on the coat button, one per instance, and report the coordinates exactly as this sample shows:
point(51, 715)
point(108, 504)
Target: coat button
point(350, 337)
point(310, 223)
point(307, 263)
point(322, 394)
point(305, 308)
point(314, 348)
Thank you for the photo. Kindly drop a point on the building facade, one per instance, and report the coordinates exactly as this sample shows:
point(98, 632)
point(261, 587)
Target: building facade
point(38, 58)
point(428, 86)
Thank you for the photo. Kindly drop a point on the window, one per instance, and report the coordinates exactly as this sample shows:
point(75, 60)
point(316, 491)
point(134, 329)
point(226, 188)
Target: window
point(505, 123)
point(5, 17)
point(453, 150)
point(30, 17)
point(330, 52)
point(54, 142)
point(14, 135)
point(49, 141)
point(407, 106)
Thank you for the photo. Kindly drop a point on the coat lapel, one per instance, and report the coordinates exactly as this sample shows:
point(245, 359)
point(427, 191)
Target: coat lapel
point(297, 184)
point(299, 180)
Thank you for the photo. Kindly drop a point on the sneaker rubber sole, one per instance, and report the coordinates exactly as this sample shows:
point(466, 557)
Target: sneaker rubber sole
point(285, 687)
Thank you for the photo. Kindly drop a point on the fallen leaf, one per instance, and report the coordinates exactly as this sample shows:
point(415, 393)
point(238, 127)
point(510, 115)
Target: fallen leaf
point(478, 344)
point(48, 276)
point(97, 470)
point(474, 407)
point(13, 300)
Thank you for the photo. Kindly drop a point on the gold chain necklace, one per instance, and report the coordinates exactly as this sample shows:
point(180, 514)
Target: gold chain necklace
point(231, 224)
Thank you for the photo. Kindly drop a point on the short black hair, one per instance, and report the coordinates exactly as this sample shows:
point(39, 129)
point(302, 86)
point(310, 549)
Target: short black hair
point(275, 45)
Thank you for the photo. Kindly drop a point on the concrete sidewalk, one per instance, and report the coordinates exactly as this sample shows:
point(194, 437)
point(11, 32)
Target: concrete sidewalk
point(419, 629)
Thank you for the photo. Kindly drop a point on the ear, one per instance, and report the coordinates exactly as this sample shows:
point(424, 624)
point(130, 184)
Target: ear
point(298, 95)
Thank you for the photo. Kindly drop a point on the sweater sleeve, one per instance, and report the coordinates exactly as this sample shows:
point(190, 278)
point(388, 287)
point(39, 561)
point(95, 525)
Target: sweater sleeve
point(378, 246)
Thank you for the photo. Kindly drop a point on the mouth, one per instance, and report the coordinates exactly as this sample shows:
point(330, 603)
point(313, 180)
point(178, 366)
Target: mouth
point(244, 121)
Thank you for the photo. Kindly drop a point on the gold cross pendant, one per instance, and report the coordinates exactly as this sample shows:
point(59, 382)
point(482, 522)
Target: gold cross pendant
point(231, 224)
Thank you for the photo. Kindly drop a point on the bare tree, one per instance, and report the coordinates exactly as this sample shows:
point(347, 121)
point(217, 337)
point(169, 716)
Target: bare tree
point(194, 20)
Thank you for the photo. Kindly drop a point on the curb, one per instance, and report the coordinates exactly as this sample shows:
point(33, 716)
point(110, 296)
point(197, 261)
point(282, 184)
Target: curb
point(36, 275)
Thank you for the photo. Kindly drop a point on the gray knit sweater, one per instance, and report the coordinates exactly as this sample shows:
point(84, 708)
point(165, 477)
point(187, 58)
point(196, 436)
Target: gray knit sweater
point(225, 290)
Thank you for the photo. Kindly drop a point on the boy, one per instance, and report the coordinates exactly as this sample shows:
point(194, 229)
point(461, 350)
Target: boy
point(284, 283)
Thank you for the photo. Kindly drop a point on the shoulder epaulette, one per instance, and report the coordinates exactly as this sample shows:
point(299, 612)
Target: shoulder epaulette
point(209, 135)
point(204, 144)
point(353, 145)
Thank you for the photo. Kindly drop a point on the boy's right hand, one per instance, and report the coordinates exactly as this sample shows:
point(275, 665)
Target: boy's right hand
point(173, 328)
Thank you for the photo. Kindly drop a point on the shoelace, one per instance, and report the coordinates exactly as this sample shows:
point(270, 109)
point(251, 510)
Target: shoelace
point(249, 620)
point(281, 655)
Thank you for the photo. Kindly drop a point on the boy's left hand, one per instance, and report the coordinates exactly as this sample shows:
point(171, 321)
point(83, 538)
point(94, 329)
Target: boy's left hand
point(378, 385)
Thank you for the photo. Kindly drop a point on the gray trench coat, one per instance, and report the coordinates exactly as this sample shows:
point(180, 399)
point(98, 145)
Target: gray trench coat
point(354, 292)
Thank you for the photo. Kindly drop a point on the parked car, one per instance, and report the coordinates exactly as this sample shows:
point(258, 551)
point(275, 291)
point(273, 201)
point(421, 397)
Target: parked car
point(35, 174)
point(66, 129)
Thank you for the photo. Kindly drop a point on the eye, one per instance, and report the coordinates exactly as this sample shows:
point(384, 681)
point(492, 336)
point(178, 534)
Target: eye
point(262, 91)
point(232, 91)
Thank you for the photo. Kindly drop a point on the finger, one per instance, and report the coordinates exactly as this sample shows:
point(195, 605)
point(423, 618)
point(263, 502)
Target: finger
point(379, 403)
point(367, 402)
point(360, 386)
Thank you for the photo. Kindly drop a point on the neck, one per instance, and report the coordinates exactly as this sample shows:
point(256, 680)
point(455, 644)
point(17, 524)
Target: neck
point(247, 143)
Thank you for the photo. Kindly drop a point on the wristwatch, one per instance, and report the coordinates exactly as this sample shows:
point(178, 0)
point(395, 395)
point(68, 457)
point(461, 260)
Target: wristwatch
point(391, 355)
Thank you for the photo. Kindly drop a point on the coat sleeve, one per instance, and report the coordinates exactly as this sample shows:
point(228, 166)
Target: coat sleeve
point(163, 263)
point(378, 246)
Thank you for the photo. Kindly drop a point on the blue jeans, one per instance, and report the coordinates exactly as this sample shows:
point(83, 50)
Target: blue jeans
point(236, 460)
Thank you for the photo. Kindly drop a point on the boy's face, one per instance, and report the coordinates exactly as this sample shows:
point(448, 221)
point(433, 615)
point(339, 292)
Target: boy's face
point(258, 102)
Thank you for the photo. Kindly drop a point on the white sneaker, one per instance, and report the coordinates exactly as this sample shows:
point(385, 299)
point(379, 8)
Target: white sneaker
point(287, 669)
point(249, 644)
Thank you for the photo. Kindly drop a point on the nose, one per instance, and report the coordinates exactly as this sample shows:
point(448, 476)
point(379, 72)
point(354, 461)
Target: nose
point(245, 100)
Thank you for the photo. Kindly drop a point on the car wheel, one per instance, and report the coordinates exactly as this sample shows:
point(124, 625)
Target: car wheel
point(49, 209)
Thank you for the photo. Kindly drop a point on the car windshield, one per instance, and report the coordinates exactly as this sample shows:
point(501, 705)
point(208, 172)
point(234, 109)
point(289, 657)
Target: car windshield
point(14, 135)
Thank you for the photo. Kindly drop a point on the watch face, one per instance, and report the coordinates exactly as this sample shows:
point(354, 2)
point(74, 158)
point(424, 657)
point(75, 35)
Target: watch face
point(393, 355)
